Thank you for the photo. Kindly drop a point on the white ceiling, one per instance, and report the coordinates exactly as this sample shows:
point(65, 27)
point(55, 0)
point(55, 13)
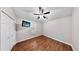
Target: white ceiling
point(55, 12)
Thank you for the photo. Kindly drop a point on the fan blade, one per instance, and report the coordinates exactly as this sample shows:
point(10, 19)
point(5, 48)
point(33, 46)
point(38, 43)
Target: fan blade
point(42, 11)
point(38, 17)
point(44, 17)
point(40, 8)
point(47, 13)
point(36, 14)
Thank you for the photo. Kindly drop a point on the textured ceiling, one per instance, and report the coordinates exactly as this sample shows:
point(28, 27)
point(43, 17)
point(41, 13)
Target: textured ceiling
point(55, 12)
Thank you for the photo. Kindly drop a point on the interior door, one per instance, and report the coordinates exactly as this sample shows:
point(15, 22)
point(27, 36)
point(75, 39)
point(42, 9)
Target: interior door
point(8, 33)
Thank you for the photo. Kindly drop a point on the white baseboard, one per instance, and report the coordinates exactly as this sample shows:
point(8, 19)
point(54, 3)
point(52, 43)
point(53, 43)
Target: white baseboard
point(12, 45)
point(73, 48)
point(27, 38)
point(62, 42)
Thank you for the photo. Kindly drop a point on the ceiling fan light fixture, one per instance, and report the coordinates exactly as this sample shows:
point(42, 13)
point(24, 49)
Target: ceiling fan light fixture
point(41, 13)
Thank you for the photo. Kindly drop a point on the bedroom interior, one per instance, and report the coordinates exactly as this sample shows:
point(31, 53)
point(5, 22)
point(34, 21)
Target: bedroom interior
point(39, 29)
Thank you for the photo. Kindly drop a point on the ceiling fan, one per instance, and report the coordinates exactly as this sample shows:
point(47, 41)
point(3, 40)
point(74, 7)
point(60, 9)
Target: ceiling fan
point(41, 13)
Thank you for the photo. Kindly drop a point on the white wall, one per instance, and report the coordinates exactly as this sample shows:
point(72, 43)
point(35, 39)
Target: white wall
point(60, 29)
point(27, 33)
point(8, 32)
point(0, 28)
point(75, 28)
